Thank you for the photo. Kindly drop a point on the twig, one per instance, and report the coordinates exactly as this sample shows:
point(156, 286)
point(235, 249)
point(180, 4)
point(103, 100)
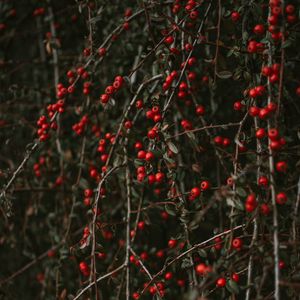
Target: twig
point(168, 101)
point(218, 39)
point(196, 246)
point(128, 218)
point(294, 226)
point(18, 170)
point(273, 194)
point(282, 61)
point(93, 233)
point(254, 236)
point(98, 280)
point(207, 127)
point(146, 271)
point(149, 23)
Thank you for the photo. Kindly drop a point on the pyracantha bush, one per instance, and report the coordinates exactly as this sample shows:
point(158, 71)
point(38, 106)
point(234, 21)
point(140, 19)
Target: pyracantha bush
point(149, 149)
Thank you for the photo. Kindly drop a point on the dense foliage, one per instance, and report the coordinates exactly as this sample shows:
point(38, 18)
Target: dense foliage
point(149, 149)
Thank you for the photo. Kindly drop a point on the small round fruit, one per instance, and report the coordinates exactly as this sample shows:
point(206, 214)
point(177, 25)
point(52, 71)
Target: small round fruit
point(237, 243)
point(235, 277)
point(221, 282)
point(195, 192)
point(172, 243)
point(281, 198)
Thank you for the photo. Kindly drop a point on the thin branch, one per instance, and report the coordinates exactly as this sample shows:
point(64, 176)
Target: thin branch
point(273, 193)
point(193, 248)
point(168, 101)
point(107, 275)
point(218, 40)
point(128, 218)
point(146, 271)
point(206, 127)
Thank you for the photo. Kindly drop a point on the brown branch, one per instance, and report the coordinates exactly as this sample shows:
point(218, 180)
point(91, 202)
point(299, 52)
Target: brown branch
point(206, 127)
point(196, 246)
point(146, 271)
point(218, 39)
point(168, 101)
point(83, 291)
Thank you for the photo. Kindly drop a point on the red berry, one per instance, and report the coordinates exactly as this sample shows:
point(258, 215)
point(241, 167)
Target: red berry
point(290, 9)
point(88, 192)
point(251, 199)
point(169, 40)
point(237, 243)
point(259, 29)
point(152, 134)
point(252, 48)
point(265, 209)
point(260, 133)
point(221, 282)
point(291, 19)
point(126, 26)
point(249, 207)
point(235, 16)
point(160, 254)
point(151, 179)
point(102, 51)
point(272, 107)
point(254, 111)
point(274, 78)
point(205, 185)
point(168, 275)
point(138, 145)
point(281, 166)
point(253, 93)
point(159, 177)
point(128, 124)
point(273, 134)
point(141, 225)
point(192, 61)
point(149, 156)
point(218, 140)
point(263, 181)
point(201, 269)
point(281, 264)
point(104, 98)
point(195, 192)
point(172, 243)
point(273, 20)
point(235, 277)
point(238, 105)
point(141, 154)
point(264, 113)
point(139, 104)
point(181, 282)
point(266, 71)
point(275, 145)
point(281, 198)
point(226, 142)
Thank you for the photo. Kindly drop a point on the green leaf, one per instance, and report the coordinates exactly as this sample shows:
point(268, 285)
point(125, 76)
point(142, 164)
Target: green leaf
point(202, 253)
point(245, 35)
point(191, 135)
point(241, 192)
point(168, 159)
point(172, 147)
point(247, 75)
point(170, 209)
point(83, 183)
point(286, 44)
point(232, 287)
point(235, 203)
point(224, 74)
point(186, 263)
